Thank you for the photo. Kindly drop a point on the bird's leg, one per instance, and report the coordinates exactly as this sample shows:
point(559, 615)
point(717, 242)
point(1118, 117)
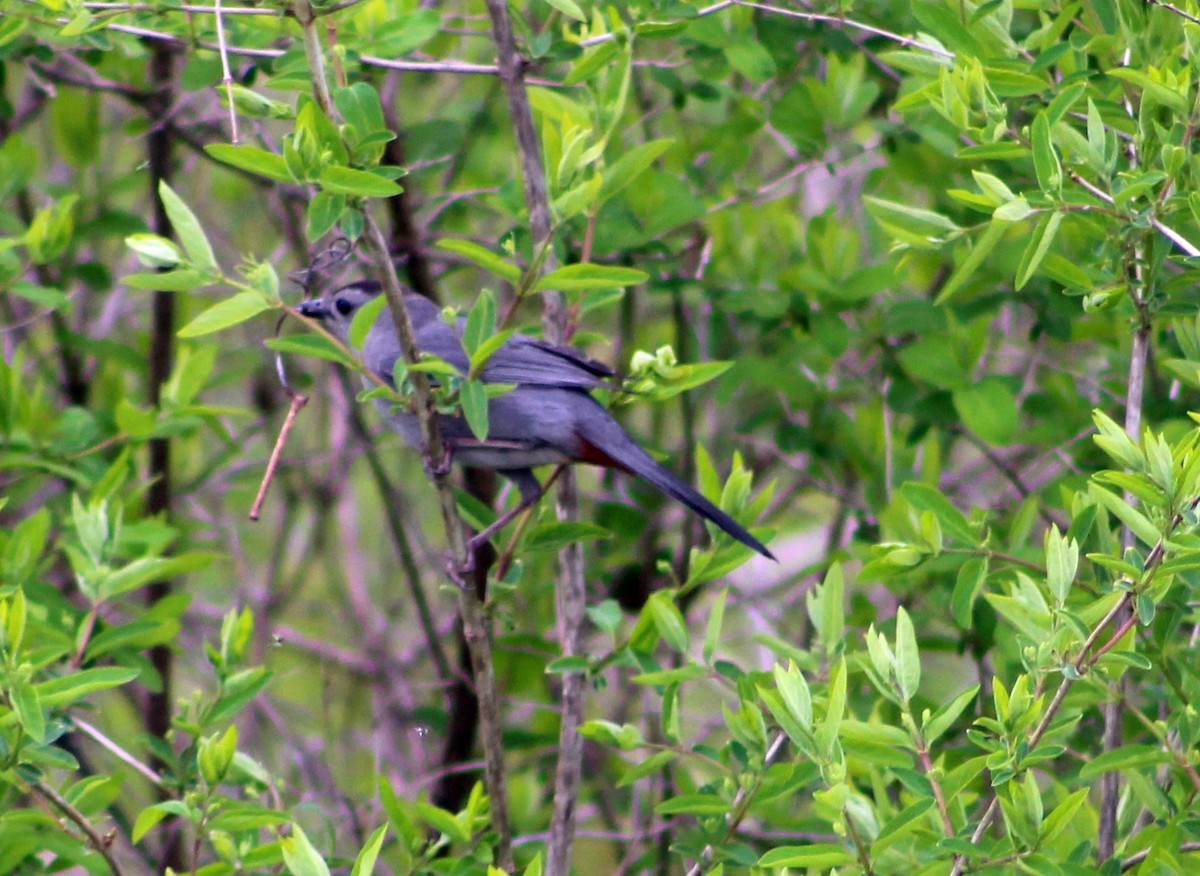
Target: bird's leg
point(531, 492)
point(442, 466)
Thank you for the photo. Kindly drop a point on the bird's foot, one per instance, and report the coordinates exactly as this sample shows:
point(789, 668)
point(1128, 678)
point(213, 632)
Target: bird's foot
point(458, 572)
point(441, 467)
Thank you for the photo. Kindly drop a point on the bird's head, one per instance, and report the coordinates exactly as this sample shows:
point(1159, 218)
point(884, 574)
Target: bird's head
point(335, 310)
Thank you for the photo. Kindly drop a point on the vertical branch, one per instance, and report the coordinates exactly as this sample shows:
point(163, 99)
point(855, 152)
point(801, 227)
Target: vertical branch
point(475, 627)
point(157, 717)
point(571, 593)
point(1139, 355)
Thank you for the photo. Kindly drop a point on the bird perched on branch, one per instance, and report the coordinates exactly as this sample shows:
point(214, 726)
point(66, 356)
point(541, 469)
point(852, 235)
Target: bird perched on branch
point(548, 418)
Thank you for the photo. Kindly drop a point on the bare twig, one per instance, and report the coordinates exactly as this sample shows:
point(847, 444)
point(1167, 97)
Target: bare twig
point(101, 843)
point(226, 75)
point(298, 402)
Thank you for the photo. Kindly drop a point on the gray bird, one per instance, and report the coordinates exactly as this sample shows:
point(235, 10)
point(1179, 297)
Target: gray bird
point(548, 419)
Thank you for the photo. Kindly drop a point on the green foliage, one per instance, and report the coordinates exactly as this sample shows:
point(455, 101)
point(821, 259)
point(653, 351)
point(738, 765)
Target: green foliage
point(924, 275)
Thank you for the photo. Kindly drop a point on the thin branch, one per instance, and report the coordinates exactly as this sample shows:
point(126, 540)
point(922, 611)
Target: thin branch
point(226, 75)
point(144, 770)
point(102, 844)
point(571, 593)
point(848, 22)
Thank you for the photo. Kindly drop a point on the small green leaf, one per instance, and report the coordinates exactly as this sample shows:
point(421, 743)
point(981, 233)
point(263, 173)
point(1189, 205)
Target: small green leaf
point(154, 251)
point(364, 864)
point(301, 858)
point(988, 409)
point(69, 688)
point(1038, 246)
point(253, 160)
point(668, 620)
point(481, 322)
point(583, 276)
point(557, 535)
point(1127, 757)
point(475, 407)
point(1045, 158)
point(223, 314)
point(485, 258)
point(816, 856)
point(323, 214)
point(980, 251)
point(318, 346)
point(28, 706)
point(178, 280)
point(630, 166)
point(358, 183)
point(908, 660)
point(712, 633)
point(188, 230)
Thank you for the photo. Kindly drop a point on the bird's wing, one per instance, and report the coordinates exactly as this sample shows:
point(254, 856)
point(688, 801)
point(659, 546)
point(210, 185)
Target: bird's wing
point(523, 360)
point(529, 361)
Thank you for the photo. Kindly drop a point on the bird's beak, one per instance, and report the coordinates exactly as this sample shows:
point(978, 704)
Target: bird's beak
point(313, 308)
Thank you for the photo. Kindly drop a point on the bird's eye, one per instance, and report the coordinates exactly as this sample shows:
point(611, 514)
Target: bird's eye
point(343, 306)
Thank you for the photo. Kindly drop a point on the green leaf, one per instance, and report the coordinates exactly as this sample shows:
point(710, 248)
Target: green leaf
point(253, 160)
point(923, 228)
point(188, 230)
point(630, 166)
point(557, 535)
point(569, 8)
point(1175, 100)
point(481, 322)
point(178, 280)
point(649, 767)
point(1038, 246)
point(146, 570)
point(364, 864)
point(795, 694)
point(988, 409)
point(318, 346)
point(983, 247)
point(750, 57)
point(967, 584)
point(69, 688)
point(28, 708)
point(1127, 757)
point(223, 314)
point(301, 858)
point(668, 620)
point(485, 258)
point(475, 407)
point(487, 349)
point(693, 804)
point(908, 660)
point(687, 672)
point(1014, 210)
point(583, 276)
point(926, 498)
point(149, 817)
point(359, 183)
point(154, 251)
point(1137, 522)
point(941, 720)
point(1045, 158)
point(712, 632)
point(817, 856)
point(1062, 816)
point(365, 319)
point(323, 214)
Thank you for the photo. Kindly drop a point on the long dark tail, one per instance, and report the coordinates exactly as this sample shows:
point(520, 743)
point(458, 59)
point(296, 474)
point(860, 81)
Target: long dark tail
point(619, 448)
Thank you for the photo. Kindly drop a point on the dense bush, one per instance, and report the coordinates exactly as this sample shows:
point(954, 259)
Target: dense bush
point(910, 289)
